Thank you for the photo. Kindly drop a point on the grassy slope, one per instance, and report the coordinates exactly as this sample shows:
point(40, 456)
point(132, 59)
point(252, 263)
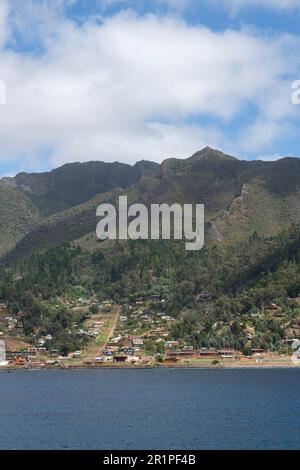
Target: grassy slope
point(18, 215)
point(31, 200)
point(240, 198)
point(68, 225)
point(257, 210)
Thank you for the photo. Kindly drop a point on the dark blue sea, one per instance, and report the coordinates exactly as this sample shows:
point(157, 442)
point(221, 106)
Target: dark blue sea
point(150, 409)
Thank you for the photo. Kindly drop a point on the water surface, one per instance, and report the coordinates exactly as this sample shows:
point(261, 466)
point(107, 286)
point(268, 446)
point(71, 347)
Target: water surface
point(150, 409)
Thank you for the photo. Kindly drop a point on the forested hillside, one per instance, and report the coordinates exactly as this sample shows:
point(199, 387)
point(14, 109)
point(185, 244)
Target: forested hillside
point(218, 284)
point(250, 259)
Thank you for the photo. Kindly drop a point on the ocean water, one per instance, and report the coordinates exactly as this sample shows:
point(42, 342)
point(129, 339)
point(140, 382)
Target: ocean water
point(150, 409)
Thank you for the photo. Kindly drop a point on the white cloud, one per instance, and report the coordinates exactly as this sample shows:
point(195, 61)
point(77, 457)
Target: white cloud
point(236, 5)
point(262, 133)
point(233, 5)
point(271, 157)
point(35, 21)
point(3, 22)
point(129, 87)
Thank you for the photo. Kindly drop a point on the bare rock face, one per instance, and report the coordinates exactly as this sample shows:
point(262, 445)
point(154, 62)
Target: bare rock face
point(213, 233)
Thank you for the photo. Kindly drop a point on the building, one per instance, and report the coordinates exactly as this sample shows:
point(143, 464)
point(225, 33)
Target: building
point(208, 352)
point(272, 306)
point(227, 353)
point(155, 297)
point(137, 342)
point(280, 314)
point(76, 355)
point(54, 353)
point(120, 358)
point(3, 361)
point(171, 344)
point(181, 354)
point(258, 351)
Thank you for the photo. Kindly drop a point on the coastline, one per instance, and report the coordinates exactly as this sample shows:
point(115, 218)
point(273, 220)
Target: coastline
point(154, 366)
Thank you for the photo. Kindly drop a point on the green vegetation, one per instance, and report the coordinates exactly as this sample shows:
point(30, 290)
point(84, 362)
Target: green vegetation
point(218, 295)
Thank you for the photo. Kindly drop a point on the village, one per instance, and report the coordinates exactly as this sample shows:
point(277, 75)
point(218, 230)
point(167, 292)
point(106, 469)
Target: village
point(135, 334)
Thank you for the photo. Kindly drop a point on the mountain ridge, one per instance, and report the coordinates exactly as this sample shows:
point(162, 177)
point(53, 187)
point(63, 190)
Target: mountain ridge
point(240, 196)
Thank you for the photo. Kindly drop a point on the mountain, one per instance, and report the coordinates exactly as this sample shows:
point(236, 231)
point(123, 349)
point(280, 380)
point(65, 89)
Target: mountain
point(18, 215)
point(28, 200)
point(216, 296)
point(240, 197)
point(75, 183)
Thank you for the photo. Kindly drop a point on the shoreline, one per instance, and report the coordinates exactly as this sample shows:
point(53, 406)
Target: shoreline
point(145, 367)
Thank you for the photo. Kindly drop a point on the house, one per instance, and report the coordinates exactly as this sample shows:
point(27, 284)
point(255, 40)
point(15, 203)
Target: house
point(42, 351)
point(128, 350)
point(208, 352)
point(93, 332)
point(99, 360)
point(12, 355)
point(120, 358)
point(115, 340)
point(181, 354)
point(272, 306)
point(32, 352)
point(171, 344)
point(137, 342)
point(54, 353)
point(257, 351)
point(280, 314)
point(126, 343)
point(76, 354)
point(227, 353)
point(289, 340)
point(155, 297)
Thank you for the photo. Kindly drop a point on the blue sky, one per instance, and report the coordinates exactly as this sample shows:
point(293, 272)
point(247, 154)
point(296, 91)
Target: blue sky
point(109, 80)
point(211, 14)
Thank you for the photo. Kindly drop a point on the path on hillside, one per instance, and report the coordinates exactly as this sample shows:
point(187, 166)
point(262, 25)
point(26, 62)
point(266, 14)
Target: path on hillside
point(96, 349)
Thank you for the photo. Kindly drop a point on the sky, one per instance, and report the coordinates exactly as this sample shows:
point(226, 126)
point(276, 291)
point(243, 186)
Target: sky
point(138, 79)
